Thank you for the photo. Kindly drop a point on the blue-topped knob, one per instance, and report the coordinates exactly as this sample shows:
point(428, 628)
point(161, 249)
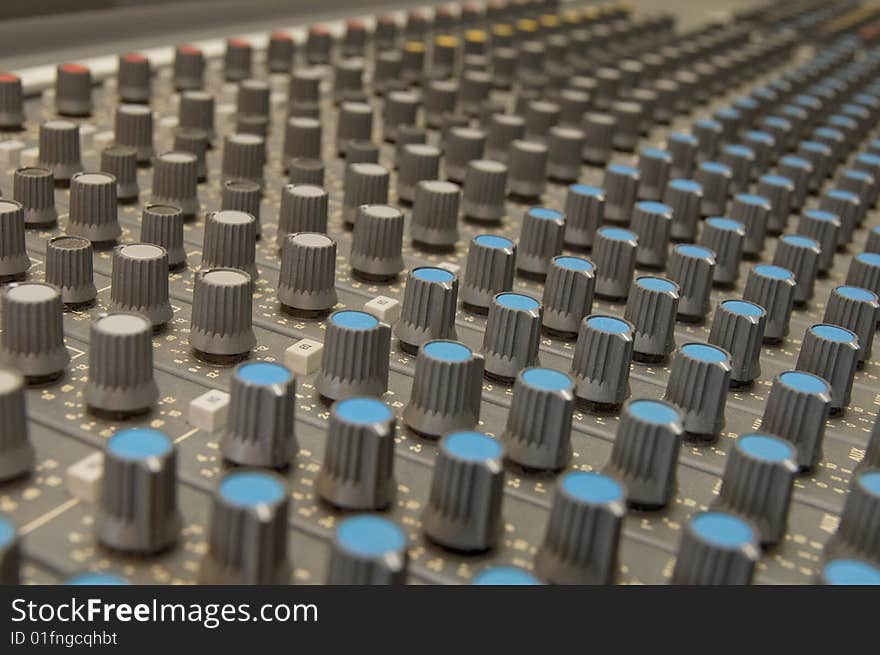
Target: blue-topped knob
point(489, 270)
point(757, 483)
point(738, 328)
point(96, 580)
point(692, 268)
point(849, 208)
point(464, 505)
point(568, 294)
point(831, 352)
point(645, 452)
point(726, 238)
point(601, 361)
point(358, 467)
point(778, 191)
point(824, 228)
point(260, 428)
point(684, 197)
point(796, 410)
point(540, 239)
point(495, 576)
point(753, 211)
point(584, 211)
point(247, 535)
point(716, 548)
point(428, 309)
point(652, 224)
point(855, 309)
point(583, 532)
point(621, 187)
point(714, 178)
point(368, 550)
point(654, 165)
point(512, 336)
point(354, 361)
point(799, 171)
point(538, 430)
point(651, 308)
point(708, 133)
point(858, 533)
point(138, 503)
point(698, 384)
point(446, 390)
point(614, 253)
point(848, 572)
point(10, 552)
point(740, 160)
point(800, 255)
point(864, 271)
point(773, 288)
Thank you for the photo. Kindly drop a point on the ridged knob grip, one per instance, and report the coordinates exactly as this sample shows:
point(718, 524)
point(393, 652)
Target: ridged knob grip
point(189, 68)
point(614, 253)
point(16, 452)
point(684, 197)
point(698, 384)
point(651, 308)
point(11, 102)
point(753, 211)
point(621, 184)
point(416, 162)
point(857, 310)
point(858, 532)
point(489, 270)
point(59, 149)
point(434, 220)
point(34, 188)
point(121, 162)
point(244, 156)
point(512, 336)
point(73, 90)
point(796, 410)
point(800, 255)
point(133, 127)
point(32, 340)
point(354, 361)
point(831, 352)
point(692, 268)
point(304, 208)
point(601, 361)
point(162, 225)
point(716, 548)
point(568, 294)
point(230, 241)
point(139, 282)
point(725, 237)
point(773, 288)
point(365, 183)
point(428, 310)
point(222, 314)
point(306, 282)
point(738, 328)
point(69, 268)
point(93, 211)
point(377, 242)
point(484, 190)
point(368, 550)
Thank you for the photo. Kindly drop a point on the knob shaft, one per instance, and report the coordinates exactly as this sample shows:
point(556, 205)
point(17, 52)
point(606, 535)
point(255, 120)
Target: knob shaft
point(377, 243)
point(464, 504)
point(262, 404)
point(614, 253)
point(247, 539)
point(796, 410)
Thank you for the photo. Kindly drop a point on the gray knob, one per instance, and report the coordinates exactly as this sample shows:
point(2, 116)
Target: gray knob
point(69, 268)
point(189, 68)
point(682, 148)
point(400, 108)
point(304, 208)
point(196, 111)
point(645, 452)
point(440, 97)
point(599, 132)
point(428, 309)
point(230, 241)
point(708, 133)
point(462, 146)
point(753, 212)
point(280, 52)
point(527, 165)
point(39, 355)
point(503, 130)
point(716, 548)
point(11, 102)
point(361, 151)
point(725, 237)
point(355, 122)
point(614, 253)
point(651, 308)
point(584, 210)
point(237, 60)
point(34, 188)
point(73, 90)
point(698, 384)
point(59, 149)
point(121, 163)
point(244, 156)
point(778, 191)
point(447, 388)
point(537, 435)
point(377, 243)
point(358, 468)
point(621, 186)
point(434, 220)
point(464, 505)
point(821, 159)
point(253, 97)
point(365, 184)
point(740, 160)
point(10, 552)
point(684, 197)
point(824, 228)
point(302, 138)
point(368, 550)
point(847, 206)
point(541, 115)
point(133, 127)
point(348, 80)
point(138, 509)
point(855, 309)
point(489, 270)
point(305, 170)
point(417, 162)
point(738, 328)
point(628, 116)
point(388, 76)
point(306, 282)
point(175, 181)
point(796, 410)
point(221, 327)
point(121, 365)
point(247, 538)
point(162, 225)
point(243, 196)
point(654, 167)
point(773, 288)
point(763, 145)
point(800, 255)
point(305, 85)
point(831, 352)
point(692, 268)
point(14, 260)
point(16, 451)
point(583, 532)
point(354, 361)
point(512, 336)
point(757, 483)
point(568, 294)
point(93, 211)
point(601, 361)
point(484, 190)
point(260, 428)
point(139, 282)
point(714, 178)
point(798, 170)
point(651, 222)
point(858, 533)
point(541, 237)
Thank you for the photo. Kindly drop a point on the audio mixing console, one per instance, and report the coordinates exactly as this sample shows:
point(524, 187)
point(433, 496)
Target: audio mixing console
point(521, 292)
